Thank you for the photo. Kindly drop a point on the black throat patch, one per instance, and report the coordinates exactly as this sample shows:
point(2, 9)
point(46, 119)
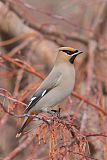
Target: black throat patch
point(72, 59)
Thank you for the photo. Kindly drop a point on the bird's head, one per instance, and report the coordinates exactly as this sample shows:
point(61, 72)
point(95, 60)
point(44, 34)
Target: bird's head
point(69, 53)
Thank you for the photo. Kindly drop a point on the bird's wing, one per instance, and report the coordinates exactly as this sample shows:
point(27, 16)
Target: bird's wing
point(48, 84)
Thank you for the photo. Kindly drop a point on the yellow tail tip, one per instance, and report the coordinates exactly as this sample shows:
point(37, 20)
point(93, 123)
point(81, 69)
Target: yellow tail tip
point(18, 135)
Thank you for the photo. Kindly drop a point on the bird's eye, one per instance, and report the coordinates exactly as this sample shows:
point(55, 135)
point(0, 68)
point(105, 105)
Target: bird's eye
point(67, 51)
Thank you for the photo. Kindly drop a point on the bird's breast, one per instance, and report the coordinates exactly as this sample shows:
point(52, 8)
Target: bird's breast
point(61, 91)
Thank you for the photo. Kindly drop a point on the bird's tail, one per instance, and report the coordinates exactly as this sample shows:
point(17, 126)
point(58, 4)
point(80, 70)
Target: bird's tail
point(27, 120)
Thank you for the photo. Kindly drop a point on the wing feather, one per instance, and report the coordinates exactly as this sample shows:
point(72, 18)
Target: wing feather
point(49, 83)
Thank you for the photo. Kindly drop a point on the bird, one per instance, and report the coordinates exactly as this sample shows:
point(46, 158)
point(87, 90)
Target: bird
point(56, 87)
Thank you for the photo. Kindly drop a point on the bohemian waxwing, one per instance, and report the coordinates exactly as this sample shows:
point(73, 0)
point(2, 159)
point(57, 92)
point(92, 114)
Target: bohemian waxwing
point(55, 88)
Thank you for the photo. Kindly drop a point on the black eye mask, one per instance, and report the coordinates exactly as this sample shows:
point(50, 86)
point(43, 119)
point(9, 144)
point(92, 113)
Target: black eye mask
point(68, 52)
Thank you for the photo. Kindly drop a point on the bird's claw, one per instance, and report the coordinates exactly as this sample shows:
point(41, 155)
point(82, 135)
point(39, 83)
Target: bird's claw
point(56, 112)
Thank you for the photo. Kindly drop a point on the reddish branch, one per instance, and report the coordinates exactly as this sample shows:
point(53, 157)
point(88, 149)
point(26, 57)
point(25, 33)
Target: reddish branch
point(18, 48)
point(20, 148)
point(20, 37)
point(30, 70)
point(21, 9)
point(97, 107)
point(12, 99)
point(93, 43)
point(90, 65)
point(58, 37)
point(83, 156)
point(95, 134)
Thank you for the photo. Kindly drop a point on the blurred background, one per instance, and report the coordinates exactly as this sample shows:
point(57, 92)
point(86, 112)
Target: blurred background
point(35, 30)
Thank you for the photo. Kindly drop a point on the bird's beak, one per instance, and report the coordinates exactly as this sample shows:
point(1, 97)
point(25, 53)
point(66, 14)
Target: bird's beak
point(76, 53)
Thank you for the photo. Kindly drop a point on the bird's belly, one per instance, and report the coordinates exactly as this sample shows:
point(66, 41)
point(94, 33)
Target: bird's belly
point(53, 98)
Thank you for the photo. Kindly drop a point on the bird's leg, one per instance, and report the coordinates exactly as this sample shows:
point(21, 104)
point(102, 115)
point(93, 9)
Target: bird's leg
point(51, 111)
point(57, 112)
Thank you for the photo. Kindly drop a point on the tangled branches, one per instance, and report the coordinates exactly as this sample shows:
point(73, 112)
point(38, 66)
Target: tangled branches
point(27, 54)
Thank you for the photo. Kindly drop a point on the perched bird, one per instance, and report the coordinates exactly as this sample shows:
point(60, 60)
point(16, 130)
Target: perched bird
point(55, 88)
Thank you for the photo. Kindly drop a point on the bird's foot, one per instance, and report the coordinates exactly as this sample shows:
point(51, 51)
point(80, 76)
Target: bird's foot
point(56, 112)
